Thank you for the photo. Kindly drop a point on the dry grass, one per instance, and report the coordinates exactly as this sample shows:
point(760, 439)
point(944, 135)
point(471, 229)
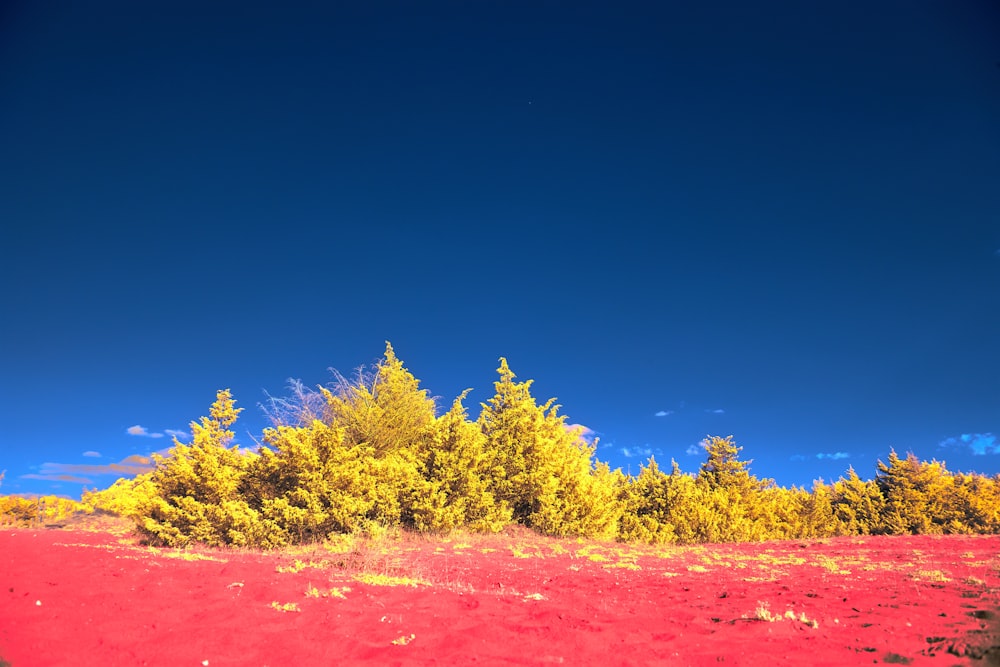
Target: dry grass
point(763, 613)
point(386, 580)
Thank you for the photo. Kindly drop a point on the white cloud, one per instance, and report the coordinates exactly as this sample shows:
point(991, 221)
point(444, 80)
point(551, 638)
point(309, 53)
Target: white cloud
point(696, 450)
point(717, 411)
point(92, 455)
point(979, 444)
point(174, 433)
point(141, 431)
point(631, 452)
point(664, 413)
point(586, 433)
point(836, 456)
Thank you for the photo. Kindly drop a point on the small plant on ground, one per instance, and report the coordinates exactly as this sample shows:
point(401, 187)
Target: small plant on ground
point(334, 592)
point(386, 580)
point(763, 613)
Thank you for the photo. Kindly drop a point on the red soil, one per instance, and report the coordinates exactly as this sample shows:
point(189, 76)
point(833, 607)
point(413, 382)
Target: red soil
point(85, 598)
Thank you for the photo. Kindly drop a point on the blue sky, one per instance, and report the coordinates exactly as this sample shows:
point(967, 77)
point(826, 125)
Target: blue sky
point(778, 222)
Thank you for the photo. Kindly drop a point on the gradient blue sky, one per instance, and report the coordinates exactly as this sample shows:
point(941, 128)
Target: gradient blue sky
point(778, 221)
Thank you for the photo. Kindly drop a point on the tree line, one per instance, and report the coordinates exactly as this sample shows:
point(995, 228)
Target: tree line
point(372, 452)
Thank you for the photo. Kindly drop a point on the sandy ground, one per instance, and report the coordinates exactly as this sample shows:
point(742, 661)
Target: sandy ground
point(94, 598)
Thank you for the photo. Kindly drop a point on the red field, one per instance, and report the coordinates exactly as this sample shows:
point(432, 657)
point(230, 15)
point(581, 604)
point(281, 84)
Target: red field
point(92, 598)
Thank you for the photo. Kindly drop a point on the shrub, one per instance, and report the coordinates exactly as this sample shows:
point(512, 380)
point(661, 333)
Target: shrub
point(196, 491)
point(542, 471)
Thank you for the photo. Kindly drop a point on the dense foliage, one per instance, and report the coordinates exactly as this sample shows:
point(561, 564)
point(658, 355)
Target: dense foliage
point(372, 452)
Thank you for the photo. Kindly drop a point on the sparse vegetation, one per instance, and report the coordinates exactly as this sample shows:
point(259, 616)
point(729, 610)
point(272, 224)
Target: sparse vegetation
point(386, 580)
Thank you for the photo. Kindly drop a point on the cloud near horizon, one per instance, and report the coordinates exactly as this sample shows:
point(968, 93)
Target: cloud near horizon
point(979, 444)
point(664, 413)
point(82, 473)
point(835, 456)
point(92, 455)
point(142, 432)
point(633, 452)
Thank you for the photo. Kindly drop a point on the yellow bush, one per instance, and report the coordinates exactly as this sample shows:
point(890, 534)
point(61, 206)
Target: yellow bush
point(651, 502)
point(196, 491)
point(371, 454)
point(858, 505)
point(915, 494)
point(457, 467)
point(542, 471)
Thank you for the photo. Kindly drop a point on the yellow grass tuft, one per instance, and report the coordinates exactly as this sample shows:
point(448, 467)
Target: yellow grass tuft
point(387, 580)
point(313, 592)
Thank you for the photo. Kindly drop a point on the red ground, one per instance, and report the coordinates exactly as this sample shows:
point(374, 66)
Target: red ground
point(86, 598)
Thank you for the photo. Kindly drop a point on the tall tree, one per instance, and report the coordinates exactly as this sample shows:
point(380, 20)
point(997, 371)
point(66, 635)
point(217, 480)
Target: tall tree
point(542, 470)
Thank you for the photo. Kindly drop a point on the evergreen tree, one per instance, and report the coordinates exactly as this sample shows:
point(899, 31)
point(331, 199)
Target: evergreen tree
point(974, 504)
point(458, 468)
point(197, 489)
point(914, 492)
point(386, 409)
point(723, 468)
point(651, 505)
point(858, 505)
point(541, 470)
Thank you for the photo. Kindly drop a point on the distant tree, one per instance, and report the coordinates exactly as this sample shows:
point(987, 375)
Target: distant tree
point(817, 514)
point(733, 494)
point(724, 469)
point(914, 493)
point(858, 505)
point(653, 502)
point(973, 506)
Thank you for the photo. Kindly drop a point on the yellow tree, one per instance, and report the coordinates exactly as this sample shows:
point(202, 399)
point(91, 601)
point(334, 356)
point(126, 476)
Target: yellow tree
point(196, 489)
point(858, 505)
point(914, 493)
point(311, 483)
point(385, 409)
point(974, 504)
point(457, 467)
point(542, 470)
point(387, 414)
point(816, 511)
point(733, 493)
point(359, 460)
point(651, 504)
